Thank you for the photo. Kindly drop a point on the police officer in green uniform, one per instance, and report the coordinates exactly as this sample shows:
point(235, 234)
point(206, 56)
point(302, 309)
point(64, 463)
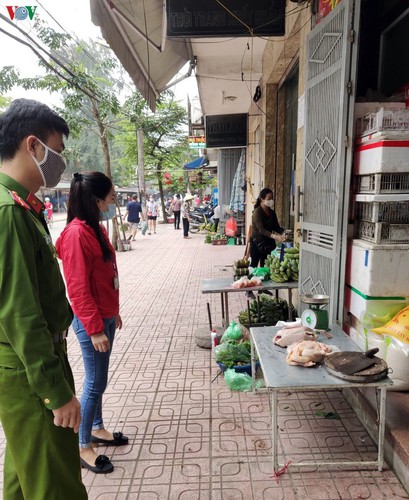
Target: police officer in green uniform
point(38, 409)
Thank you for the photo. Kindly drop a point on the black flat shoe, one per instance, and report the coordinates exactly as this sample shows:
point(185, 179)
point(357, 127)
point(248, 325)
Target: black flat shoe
point(119, 440)
point(102, 465)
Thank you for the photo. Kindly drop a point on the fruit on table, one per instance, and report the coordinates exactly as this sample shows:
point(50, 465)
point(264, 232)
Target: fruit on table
point(242, 263)
point(266, 310)
point(287, 269)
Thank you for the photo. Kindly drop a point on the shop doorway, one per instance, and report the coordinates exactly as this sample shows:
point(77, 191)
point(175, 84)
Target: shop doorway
point(328, 127)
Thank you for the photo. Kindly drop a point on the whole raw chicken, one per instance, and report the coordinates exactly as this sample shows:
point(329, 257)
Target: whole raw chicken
point(288, 336)
point(307, 353)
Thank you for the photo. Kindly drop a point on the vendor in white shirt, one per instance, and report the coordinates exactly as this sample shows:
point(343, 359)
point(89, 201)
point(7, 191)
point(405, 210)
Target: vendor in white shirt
point(216, 217)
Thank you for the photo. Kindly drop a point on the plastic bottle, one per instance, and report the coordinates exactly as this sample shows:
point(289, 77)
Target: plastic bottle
point(215, 340)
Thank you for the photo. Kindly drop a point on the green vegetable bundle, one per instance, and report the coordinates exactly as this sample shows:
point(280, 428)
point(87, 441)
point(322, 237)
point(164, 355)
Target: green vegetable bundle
point(232, 354)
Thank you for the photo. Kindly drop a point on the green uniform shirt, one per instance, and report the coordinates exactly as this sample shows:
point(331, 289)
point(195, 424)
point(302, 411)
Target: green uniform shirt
point(33, 303)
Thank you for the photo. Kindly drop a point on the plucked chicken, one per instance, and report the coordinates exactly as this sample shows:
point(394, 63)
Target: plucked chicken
point(307, 353)
point(288, 336)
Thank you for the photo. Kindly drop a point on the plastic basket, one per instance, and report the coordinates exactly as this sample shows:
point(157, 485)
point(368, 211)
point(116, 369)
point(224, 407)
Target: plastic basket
point(387, 183)
point(383, 120)
point(382, 232)
point(239, 369)
point(393, 212)
point(219, 242)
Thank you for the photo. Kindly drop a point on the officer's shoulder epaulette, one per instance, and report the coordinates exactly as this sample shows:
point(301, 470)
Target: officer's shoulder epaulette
point(5, 198)
point(18, 200)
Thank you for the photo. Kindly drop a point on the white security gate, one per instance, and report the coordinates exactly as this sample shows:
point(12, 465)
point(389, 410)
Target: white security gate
point(328, 127)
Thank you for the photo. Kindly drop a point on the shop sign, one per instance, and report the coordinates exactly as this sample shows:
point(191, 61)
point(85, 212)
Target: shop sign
point(197, 142)
point(226, 131)
point(204, 18)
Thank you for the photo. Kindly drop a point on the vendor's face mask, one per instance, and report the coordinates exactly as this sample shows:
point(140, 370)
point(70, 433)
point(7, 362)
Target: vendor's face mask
point(51, 167)
point(269, 203)
point(109, 214)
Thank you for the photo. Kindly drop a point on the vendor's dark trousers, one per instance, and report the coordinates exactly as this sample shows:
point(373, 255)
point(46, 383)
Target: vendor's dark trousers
point(216, 224)
point(176, 215)
point(185, 226)
point(256, 256)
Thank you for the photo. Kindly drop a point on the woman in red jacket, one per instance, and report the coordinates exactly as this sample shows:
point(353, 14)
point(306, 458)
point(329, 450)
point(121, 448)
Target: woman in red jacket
point(91, 275)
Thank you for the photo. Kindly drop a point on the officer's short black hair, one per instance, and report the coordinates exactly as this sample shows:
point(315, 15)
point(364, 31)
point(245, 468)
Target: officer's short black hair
point(26, 117)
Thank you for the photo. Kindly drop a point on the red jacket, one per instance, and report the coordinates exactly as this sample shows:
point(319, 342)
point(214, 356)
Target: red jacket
point(90, 279)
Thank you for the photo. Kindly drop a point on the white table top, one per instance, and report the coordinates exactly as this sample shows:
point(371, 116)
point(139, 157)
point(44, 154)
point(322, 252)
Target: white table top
point(281, 376)
point(223, 285)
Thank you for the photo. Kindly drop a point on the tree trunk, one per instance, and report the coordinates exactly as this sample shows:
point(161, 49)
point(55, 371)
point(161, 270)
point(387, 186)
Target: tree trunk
point(115, 238)
point(160, 183)
point(141, 167)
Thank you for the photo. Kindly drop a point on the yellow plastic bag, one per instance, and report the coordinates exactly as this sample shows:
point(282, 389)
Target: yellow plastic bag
point(397, 327)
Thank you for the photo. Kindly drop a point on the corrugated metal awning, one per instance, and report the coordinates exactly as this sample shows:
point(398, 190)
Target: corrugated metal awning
point(136, 32)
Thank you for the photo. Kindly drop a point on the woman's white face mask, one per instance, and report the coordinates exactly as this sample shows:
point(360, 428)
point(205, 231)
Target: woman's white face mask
point(269, 203)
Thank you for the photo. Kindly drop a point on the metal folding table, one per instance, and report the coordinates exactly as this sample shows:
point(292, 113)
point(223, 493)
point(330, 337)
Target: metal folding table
point(223, 286)
point(279, 376)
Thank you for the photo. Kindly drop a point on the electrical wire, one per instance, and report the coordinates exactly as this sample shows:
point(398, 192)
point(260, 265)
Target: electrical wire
point(83, 47)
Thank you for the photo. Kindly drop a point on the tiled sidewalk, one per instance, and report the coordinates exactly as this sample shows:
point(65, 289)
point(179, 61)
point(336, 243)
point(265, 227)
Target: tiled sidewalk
point(191, 439)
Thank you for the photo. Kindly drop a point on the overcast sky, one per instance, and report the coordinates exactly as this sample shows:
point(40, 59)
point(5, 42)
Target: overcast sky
point(75, 17)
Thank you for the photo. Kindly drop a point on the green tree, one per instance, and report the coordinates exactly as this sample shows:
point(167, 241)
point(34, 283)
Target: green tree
point(80, 74)
point(165, 139)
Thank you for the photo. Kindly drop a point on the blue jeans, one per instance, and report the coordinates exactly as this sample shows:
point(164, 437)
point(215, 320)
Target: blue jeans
point(96, 366)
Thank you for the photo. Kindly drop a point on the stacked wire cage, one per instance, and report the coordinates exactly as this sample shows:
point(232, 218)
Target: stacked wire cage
point(381, 177)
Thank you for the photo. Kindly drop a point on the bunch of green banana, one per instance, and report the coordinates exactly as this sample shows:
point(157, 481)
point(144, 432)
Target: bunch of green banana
point(279, 271)
point(266, 310)
point(292, 257)
point(287, 269)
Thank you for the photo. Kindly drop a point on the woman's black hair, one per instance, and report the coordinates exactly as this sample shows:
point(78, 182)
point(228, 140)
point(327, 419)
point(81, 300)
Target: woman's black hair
point(263, 193)
point(85, 190)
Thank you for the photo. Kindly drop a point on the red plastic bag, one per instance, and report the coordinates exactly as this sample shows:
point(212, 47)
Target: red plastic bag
point(231, 227)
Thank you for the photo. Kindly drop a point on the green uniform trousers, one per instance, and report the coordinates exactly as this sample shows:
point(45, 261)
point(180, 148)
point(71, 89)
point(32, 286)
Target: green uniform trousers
point(42, 460)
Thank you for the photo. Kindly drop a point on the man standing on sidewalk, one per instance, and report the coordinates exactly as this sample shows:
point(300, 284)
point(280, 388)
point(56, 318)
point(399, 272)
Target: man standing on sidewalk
point(38, 409)
point(133, 209)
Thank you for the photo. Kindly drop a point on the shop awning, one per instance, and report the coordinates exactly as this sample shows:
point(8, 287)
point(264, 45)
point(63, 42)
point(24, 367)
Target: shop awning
point(197, 163)
point(136, 32)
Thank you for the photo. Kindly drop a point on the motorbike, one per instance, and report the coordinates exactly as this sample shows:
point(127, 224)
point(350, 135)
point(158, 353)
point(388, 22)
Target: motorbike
point(200, 218)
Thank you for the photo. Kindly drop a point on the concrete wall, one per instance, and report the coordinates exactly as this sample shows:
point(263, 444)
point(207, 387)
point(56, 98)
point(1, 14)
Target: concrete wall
point(269, 112)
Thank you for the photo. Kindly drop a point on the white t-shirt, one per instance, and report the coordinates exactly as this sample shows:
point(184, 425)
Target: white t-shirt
point(216, 213)
point(152, 208)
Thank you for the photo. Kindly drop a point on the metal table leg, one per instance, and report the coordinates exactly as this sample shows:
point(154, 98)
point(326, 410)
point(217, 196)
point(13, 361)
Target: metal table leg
point(253, 365)
point(381, 436)
point(223, 319)
point(290, 303)
point(226, 304)
point(274, 427)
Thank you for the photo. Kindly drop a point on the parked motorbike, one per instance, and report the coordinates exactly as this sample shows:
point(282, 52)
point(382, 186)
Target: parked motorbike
point(200, 218)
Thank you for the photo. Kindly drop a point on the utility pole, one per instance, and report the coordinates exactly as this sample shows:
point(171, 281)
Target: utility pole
point(141, 167)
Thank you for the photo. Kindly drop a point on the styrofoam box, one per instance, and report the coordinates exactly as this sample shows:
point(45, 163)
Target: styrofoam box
point(385, 135)
point(378, 270)
point(381, 156)
point(360, 304)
